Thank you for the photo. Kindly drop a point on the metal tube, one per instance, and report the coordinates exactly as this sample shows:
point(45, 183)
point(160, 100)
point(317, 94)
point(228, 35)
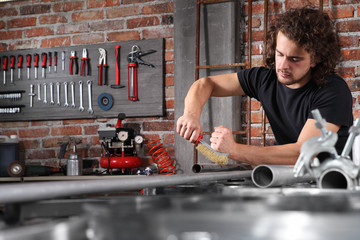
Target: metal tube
point(200, 168)
point(336, 178)
point(264, 176)
point(25, 192)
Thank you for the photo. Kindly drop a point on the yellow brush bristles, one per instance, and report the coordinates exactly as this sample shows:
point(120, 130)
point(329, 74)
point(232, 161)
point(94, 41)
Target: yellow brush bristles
point(212, 155)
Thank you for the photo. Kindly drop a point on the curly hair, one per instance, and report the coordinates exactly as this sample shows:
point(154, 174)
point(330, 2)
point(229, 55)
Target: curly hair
point(313, 30)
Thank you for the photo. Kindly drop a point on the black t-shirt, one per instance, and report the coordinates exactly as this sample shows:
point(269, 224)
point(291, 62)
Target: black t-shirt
point(288, 109)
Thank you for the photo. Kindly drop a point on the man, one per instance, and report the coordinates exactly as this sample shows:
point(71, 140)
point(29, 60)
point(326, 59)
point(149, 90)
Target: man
point(301, 54)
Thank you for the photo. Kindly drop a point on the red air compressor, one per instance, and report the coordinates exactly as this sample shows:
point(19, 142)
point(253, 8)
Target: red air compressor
point(120, 147)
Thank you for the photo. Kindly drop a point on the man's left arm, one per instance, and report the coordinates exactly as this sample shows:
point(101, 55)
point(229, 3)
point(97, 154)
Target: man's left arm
point(222, 140)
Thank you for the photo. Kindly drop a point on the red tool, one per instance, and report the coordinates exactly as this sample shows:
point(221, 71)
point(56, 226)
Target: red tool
point(134, 58)
point(85, 67)
point(49, 55)
point(55, 61)
point(73, 61)
point(28, 65)
point(5, 60)
point(20, 62)
point(43, 64)
point(117, 68)
point(12, 67)
point(102, 67)
point(36, 64)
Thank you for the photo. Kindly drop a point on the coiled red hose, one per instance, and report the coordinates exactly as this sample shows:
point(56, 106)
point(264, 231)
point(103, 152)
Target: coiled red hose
point(160, 156)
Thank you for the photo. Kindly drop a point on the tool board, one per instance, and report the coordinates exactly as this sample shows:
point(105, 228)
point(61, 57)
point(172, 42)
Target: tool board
point(150, 84)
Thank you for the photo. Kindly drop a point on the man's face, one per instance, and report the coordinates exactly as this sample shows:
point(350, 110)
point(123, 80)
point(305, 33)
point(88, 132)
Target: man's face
point(293, 63)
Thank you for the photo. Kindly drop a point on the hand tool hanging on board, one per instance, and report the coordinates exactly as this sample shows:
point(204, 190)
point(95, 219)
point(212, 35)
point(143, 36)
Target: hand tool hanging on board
point(31, 95)
point(28, 65)
point(49, 56)
point(55, 62)
point(5, 60)
point(63, 61)
point(43, 64)
point(85, 66)
point(12, 67)
point(73, 61)
point(20, 62)
point(117, 68)
point(102, 67)
point(36, 65)
point(134, 58)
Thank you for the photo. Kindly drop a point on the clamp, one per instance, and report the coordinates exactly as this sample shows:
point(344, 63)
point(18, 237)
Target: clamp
point(102, 67)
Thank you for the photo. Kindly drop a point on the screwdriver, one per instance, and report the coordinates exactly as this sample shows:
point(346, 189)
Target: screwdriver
point(63, 60)
point(5, 60)
point(20, 62)
point(43, 64)
point(55, 61)
point(28, 65)
point(49, 55)
point(36, 64)
point(12, 67)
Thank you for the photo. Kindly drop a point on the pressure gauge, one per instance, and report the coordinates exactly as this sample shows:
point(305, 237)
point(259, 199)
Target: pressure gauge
point(139, 139)
point(123, 135)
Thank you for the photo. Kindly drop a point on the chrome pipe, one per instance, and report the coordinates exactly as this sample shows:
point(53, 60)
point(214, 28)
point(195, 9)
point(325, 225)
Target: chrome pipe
point(264, 176)
point(336, 178)
point(34, 191)
point(201, 168)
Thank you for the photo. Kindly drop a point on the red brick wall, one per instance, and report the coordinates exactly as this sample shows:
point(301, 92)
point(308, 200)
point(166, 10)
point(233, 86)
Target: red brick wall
point(55, 23)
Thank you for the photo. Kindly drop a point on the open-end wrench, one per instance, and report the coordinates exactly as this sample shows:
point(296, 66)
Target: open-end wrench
point(52, 102)
point(39, 91)
point(45, 101)
point(72, 85)
point(81, 108)
point(90, 110)
point(58, 93)
point(66, 104)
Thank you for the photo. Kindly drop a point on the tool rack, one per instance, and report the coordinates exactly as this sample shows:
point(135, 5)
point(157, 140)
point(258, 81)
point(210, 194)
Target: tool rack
point(150, 84)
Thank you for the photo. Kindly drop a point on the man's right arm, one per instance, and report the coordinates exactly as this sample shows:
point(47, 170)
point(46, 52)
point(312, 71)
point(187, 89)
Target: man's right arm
point(188, 125)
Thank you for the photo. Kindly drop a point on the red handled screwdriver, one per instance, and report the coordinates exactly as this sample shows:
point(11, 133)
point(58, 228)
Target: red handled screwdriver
point(36, 64)
point(49, 56)
point(28, 65)
point(43, 64)
point(55, 61)
point(12, 67)
point(5, 60)
point(20, 62)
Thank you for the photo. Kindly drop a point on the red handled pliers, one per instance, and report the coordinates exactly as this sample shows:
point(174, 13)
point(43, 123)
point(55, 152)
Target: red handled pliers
point(73, 61)
point(102, 67)
point(85, 66)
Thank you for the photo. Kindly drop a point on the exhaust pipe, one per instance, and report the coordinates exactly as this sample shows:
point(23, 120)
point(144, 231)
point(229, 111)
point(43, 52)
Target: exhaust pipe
point(264, 176)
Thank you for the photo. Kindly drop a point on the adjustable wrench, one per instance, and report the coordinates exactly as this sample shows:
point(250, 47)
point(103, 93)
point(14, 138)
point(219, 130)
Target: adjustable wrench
point(90, 110)
point(66, 104)
point(81, 108)
point(52, 102)
point(45, 101)
point(72, 94)
point(58, 93)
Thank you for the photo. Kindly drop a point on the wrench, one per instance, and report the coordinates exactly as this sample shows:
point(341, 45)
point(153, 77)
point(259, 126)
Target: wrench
point(58, 93)
point(72, 94)
point(66, 104)
point(81, 108)
point(90, 110)
point(45, 101)
point(39, 91)
point(31, 94)
point(52, 102)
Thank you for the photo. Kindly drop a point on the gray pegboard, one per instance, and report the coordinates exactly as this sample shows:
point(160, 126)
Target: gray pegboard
point(150, 84)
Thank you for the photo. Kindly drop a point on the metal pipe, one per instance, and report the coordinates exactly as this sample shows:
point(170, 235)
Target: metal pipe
point(264, 176)
point(336, 178)
point(26, 192)
point(200, 168)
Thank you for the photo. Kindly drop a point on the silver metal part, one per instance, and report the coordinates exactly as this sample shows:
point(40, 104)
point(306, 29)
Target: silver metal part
point(63, 61)
point(31, 94)
point(81, 108)
point(90, 110)
point(66, 104)
point(39, 92)
point(45, 100)
point(52, 102)
point(58, 93)
point(72, 85)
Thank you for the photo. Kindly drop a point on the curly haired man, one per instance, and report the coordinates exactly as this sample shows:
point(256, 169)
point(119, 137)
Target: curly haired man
point(302, 51)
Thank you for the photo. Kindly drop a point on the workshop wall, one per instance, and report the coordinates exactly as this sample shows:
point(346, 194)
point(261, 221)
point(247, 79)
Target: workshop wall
point(39, 24)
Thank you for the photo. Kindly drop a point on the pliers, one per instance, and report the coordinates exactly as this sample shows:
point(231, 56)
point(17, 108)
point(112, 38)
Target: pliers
point(73, 61)
point(102, 67)
point(85, 66)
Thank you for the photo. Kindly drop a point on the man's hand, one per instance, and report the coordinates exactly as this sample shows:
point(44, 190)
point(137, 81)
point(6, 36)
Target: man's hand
point(188, 126)
point(222, 139)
